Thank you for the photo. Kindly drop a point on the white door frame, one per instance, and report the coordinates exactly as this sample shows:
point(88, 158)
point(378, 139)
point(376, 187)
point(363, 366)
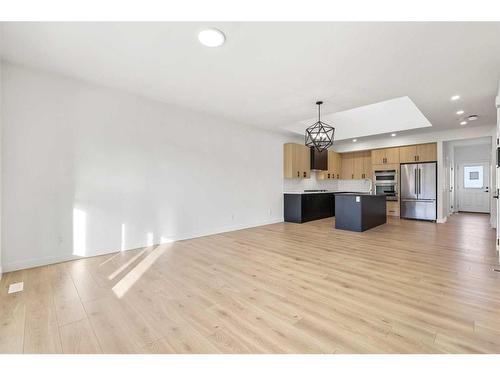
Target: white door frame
point(497, 170)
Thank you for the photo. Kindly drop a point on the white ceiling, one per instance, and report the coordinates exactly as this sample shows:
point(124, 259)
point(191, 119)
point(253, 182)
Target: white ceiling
point(385, 117)
point(271, 74)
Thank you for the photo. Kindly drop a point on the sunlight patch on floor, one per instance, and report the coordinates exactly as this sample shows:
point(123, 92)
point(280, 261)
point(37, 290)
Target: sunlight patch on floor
point(128, 281)
point(126, 265)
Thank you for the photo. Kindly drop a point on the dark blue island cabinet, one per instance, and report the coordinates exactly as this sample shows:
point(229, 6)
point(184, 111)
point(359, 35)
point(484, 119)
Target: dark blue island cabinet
point(359, 212)
point(302, 207)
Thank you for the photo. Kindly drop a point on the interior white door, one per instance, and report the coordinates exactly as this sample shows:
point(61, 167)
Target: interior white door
point(474, 192)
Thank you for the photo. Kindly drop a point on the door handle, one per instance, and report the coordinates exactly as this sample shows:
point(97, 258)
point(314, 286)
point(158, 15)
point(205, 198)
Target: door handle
point(415, 180)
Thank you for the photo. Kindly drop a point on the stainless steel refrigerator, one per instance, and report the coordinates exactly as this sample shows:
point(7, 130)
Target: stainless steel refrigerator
point(418, 191)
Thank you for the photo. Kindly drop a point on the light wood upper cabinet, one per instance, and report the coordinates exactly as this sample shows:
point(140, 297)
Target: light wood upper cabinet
point(367, 165)
point(347, 166)
point(334, 165)
point(356, 165)
point(378, 156)
point(337, 166)
point(392, 155)
point(416, 153)
point(427, 152)
point(408, 154)
point(296, 161)
point(385, 156)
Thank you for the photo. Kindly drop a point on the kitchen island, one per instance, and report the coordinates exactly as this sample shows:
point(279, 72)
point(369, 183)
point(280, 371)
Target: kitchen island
point(308, 205)
point(359, 212)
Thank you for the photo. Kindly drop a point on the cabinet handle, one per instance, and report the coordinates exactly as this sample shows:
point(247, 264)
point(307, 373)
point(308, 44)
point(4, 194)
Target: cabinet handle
point(352, 176)
point(337, 175)
point(305, 174)
point(418, 157)
point(298, 174)
point(328, 175)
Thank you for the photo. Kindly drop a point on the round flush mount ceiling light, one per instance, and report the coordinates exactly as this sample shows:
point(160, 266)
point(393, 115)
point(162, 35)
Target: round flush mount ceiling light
point(463, 123)
point(461, 112)
point(211, 37)
point(455, 97)
point(473, 117)
point(354, 140)
point(393, 134)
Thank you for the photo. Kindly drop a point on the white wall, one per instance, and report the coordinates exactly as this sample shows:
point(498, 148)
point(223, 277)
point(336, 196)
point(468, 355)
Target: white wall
point(481, 152)
point(1, 268)
point(92, 170)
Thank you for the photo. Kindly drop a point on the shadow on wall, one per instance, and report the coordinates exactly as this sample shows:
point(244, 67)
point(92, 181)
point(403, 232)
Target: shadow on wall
point(126, 275)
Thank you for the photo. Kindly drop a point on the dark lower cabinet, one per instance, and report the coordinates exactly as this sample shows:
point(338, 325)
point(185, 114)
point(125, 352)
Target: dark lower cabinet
point(360, 212)
point(300, 208)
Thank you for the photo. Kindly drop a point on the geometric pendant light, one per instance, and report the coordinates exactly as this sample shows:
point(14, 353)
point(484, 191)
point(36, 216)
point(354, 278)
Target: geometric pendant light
point(319, 135)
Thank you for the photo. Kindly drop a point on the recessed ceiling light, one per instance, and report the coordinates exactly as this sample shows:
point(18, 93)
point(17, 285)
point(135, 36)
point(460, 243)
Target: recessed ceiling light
point(455, 97)
point(211, 37)
point(460, 112)
point(463, 123)
point(355, 140)
point(393, 134)
point(473, 117)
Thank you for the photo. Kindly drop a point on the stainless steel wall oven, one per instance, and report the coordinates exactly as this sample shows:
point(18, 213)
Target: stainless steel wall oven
point(386, 182)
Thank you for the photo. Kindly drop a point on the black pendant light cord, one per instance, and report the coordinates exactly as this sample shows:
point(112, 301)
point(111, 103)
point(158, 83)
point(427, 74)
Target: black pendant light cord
point(319, 109)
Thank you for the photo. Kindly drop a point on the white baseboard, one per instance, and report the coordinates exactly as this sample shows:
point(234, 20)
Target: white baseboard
point(37, 262)
point(442, 220)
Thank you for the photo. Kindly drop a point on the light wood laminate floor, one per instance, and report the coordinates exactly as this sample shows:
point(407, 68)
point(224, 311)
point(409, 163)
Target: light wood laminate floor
point(405, 287)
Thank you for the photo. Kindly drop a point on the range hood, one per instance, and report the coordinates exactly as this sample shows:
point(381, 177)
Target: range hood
point(319, 159)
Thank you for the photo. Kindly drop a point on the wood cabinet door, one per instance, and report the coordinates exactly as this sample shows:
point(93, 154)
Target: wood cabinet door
point(392, 208)
point(392, 155)
point(378, 156)
point(296, 161)
point(408, 154)
point(291, 168)
point(367, 165)
point(338, 165)
point(305, 161)
point(331, 165)
point(358, 165)
point(347, 166)
point(427, 152)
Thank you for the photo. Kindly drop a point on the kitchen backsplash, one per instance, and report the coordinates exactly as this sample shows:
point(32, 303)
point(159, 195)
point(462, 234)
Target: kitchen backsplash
point(296, 184)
